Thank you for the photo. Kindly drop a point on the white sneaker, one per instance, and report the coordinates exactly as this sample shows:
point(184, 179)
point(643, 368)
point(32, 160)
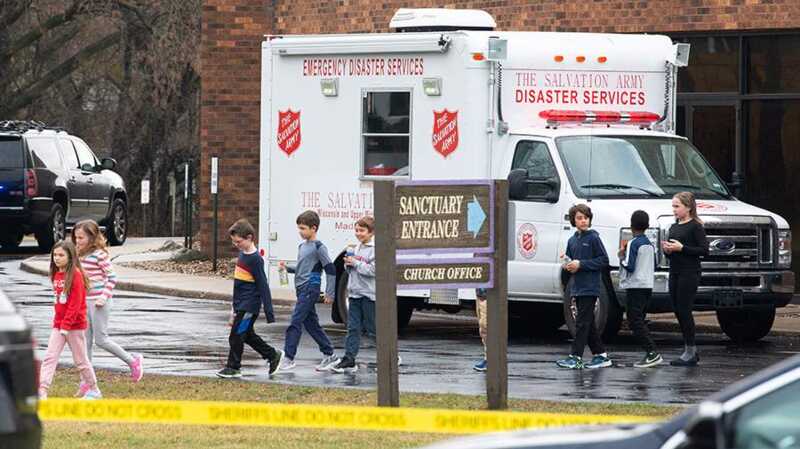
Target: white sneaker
point(328, 362)
point(287, 364)
point(92, 395)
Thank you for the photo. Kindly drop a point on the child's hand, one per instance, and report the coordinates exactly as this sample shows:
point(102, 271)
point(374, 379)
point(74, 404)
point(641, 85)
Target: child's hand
point(282, 265)
point(100, 302)
point(349, 261)
point(573, 266)
point(622, 249)
point(327, 300)
point(230, 320)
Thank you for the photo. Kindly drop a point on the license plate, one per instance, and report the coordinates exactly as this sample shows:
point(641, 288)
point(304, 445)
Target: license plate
point(727, 299)
point(446, 297)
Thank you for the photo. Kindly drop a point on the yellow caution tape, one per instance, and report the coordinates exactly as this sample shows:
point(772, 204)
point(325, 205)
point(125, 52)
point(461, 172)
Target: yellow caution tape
point(311, 416)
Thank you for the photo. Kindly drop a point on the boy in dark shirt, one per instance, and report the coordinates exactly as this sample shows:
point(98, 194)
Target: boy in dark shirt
point(587, 258)
point(250, 291)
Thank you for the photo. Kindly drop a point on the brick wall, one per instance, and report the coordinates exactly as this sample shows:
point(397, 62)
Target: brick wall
point(232, 34)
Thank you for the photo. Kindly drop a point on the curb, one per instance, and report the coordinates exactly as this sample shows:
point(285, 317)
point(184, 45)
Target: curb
point(26, 266)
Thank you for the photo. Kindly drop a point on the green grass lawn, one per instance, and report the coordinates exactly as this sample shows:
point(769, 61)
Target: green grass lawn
point(69, 435)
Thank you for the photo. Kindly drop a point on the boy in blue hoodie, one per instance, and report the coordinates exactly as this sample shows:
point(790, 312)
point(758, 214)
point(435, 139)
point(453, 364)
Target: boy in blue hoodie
point(586, 260)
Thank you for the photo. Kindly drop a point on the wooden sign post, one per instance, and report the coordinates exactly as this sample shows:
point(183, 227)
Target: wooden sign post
point(447, 234)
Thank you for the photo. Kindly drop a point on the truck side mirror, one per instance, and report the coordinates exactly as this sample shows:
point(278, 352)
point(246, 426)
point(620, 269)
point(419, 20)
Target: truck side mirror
point(523, 187)
point(704, 430)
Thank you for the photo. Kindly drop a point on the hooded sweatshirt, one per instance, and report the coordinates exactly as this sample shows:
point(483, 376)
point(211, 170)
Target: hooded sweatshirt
point(587, 248)
point(71, 305)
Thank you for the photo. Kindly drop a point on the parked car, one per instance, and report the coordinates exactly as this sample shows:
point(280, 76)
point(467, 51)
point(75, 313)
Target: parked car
point(20, 427)
point(50, 180)
point(759, 412)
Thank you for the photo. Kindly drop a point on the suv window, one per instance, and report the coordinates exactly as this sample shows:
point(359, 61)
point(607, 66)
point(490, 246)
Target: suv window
point(11, 153)
point(45, 152)
point(68, 152)
point(85, 155)
point(769, 421)
point(386, 132)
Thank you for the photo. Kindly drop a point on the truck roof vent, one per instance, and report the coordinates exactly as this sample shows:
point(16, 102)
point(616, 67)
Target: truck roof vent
point(438, 19)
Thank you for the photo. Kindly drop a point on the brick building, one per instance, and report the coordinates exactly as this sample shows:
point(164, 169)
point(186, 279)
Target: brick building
point(739, 100)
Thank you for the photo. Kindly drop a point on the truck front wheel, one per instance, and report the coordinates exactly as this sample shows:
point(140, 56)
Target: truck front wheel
point(601, 310)
point(746, 325)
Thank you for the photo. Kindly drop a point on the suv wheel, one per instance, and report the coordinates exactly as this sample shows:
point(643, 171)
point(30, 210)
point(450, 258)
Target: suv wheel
point(117, 229)
point(54, 230)
point(11, 240)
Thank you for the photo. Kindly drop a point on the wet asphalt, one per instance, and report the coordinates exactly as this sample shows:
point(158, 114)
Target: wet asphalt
point(179, 336)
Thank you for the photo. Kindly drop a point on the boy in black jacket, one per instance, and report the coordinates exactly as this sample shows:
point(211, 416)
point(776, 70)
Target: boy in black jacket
point(586, 258)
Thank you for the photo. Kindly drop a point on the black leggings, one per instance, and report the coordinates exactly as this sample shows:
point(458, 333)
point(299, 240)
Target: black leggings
point(682, 290)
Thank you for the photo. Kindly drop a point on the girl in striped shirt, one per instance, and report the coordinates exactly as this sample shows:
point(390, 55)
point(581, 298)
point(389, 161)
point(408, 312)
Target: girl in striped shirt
point(96, 263)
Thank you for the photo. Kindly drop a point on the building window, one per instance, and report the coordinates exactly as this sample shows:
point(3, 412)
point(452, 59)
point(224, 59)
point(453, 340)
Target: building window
point(386, 133)
point(713, 64)
point(773, 64)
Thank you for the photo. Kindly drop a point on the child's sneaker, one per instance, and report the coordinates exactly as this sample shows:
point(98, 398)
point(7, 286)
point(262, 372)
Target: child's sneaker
point(480, 366)
point(82, 390)
point(650, 359)
point(327, 362)
point(345, 365)
point(599, 361)
point(92, 395)
point(137, 368)
point(287, 364)
point(571, 362)
point(274, 364)
point(229, 373)
point(42, 396)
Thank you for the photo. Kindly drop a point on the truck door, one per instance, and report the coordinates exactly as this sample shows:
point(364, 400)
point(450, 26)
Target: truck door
point(96, 186)
point(76, 182)
point(533, 262)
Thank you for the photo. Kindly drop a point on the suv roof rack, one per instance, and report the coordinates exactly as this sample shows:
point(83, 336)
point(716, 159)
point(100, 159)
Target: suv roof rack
point(23, 126)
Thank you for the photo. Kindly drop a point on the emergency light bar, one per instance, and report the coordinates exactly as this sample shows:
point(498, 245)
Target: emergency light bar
point(554, 116)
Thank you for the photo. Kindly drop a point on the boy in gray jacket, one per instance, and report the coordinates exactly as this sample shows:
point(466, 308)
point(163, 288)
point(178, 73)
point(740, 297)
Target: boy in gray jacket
point(637, 267)
point(360, 265)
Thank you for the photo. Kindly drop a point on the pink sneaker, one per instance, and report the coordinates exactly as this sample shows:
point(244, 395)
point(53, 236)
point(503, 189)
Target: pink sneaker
point(82, 390)
point(137, 368)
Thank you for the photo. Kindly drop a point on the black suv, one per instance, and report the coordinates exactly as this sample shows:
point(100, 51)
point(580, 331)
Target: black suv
point(50, 180)
point(20, 427)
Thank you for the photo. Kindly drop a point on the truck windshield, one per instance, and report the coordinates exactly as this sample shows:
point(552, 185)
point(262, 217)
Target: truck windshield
point(634, 166)
point(11, 153)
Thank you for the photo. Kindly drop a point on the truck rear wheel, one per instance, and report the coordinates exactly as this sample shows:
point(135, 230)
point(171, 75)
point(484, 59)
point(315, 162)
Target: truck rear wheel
point(339, 309)
point(746, 325)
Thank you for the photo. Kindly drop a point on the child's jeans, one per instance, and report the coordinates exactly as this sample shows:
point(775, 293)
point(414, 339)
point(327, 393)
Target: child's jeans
point(242, 332)
point(480, 311)
point(585, 330)
point(638, 299)
point(305, 315)
point(360, 318)
point(77, 345)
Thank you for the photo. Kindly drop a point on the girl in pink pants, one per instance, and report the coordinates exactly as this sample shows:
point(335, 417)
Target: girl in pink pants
point(69, 323)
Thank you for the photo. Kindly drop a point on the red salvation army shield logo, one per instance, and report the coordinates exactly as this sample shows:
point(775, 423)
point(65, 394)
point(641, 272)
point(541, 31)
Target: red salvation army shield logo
point(289, 131)
point(526, 240)
point(445, 132)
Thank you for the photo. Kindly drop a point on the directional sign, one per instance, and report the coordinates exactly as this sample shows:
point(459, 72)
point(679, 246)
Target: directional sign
point(443, 216)
point(445, 273)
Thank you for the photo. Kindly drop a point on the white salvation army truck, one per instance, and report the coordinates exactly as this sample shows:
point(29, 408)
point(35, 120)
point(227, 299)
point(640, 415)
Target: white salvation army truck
point(568, 118)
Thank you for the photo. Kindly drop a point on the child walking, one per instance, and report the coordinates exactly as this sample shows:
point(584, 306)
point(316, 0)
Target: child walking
point(360, 266)
point(312, 260)
point(96, 263)
point(69, 323)
point(638, 262)
point(250, 291)
point(587, 258)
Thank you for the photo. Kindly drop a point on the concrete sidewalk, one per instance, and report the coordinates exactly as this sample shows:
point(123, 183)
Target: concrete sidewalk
point(787, 319)
point(162, 283)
